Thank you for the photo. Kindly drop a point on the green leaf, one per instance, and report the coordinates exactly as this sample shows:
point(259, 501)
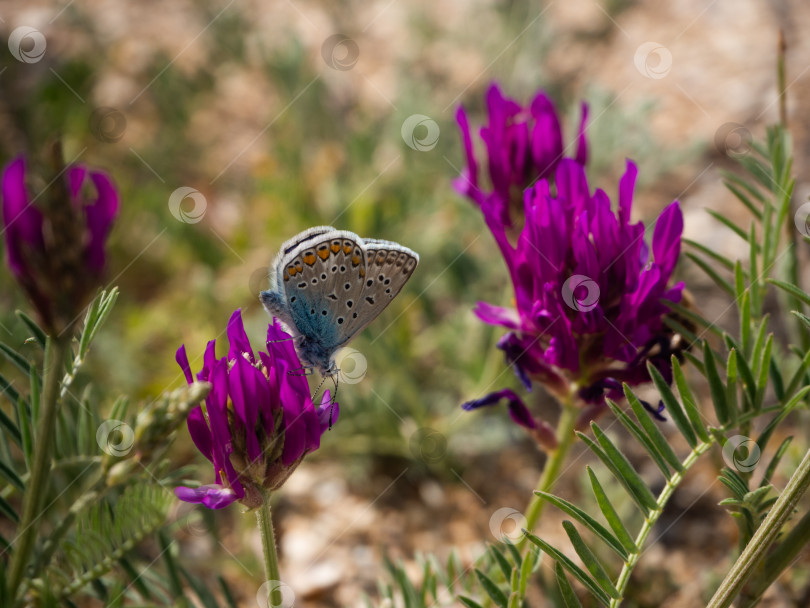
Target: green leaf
point(641, 436)
point(27, 433)
point(468, 602)
point(744, 199)
point(621, 469)
point(502, 562)
point(753, 273)
point(493, 591)
point(226, 592)
point(780, 452)
point(652, 430)
point(15, 358)
point(569, 565)
point(791, 289)
point(689, 404)
point(693, 316)
point(731, 386)
point(11, 428)
point(7, 510)
point(672, 406)
point(175, 586)
point(38, 335)
point(718, 280)
point(745, 318)
point(749, 384)
point(732, 226)
point(11, 476)
point(136, 578)
point(515, 553)
point(569, 598)
point(610, 514)
point(589, 559)
point(718, 391)
point(527, 567)
point(9, 391)
point(709, 252)
point(796, 378)
point(764, 368)
point(588, 521)
point(206, 597)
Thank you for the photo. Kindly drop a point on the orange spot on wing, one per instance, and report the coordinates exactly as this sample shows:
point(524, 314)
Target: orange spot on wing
point(347, 249)
point(355, 260)
point(362, 272)
point(323, 253)
point(309, 259)
point(292, 270)
point(335, 247)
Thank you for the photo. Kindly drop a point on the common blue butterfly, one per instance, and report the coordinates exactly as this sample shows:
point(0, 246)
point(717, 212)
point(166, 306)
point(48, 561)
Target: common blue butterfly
point(328, 285)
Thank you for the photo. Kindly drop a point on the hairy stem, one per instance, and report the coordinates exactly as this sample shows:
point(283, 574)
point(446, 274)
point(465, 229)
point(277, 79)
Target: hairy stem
point(565, 439)
point(763, 539)
point(271, 573)
point(37, 486)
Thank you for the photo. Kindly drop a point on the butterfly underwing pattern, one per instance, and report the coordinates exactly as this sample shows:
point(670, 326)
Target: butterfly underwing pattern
point(328, 285)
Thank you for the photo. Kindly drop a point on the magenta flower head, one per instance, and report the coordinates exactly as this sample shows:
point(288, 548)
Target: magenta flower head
point(590, 296)
point(55, 246)
point(259, 420)
point(523, 144)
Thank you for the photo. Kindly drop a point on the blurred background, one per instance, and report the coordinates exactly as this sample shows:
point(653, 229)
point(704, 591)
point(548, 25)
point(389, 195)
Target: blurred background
point(288, 114)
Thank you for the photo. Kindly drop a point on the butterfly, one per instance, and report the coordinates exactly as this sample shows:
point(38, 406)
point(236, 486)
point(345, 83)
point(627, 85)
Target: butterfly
point(327, 285)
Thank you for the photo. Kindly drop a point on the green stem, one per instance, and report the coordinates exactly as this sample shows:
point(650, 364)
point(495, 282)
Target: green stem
point(263, 516)
point(778, 561)
point(565, 439)
point(763, 539)
point(55, 351)
point(650, 521)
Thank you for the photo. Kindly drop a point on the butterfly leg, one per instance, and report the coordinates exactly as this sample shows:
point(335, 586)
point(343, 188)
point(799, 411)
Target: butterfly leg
point(334, 397)
point(304, 371)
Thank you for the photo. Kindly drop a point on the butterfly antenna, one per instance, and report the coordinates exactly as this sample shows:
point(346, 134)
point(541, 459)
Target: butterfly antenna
point(307, 371)
point(315, 394)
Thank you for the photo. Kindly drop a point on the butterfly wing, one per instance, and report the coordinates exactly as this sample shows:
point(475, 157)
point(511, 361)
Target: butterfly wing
point(322, 280)
point(275, 299)
point(388, 267)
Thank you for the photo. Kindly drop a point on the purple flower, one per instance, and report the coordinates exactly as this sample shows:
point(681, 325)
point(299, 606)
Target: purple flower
point(523, 145)
point(55, 247)
point(589, 294)
point(259, 420)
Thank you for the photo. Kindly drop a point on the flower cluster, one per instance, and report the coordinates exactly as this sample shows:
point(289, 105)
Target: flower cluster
point(523, 145)
point(259, 420)
point(55, 249)
point(589, 294)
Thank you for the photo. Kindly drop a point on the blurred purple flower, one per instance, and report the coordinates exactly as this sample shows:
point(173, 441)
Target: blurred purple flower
point(259, 420)
point(55, 250)
point(589, 298)
point(523, 145)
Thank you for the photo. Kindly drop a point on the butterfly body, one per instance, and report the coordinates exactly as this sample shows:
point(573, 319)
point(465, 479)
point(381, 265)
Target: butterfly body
point(328, 285)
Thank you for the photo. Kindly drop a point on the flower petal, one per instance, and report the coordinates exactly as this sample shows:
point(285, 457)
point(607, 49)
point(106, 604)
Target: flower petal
point(517, 409)
point(182, 360)
point(212, 496)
